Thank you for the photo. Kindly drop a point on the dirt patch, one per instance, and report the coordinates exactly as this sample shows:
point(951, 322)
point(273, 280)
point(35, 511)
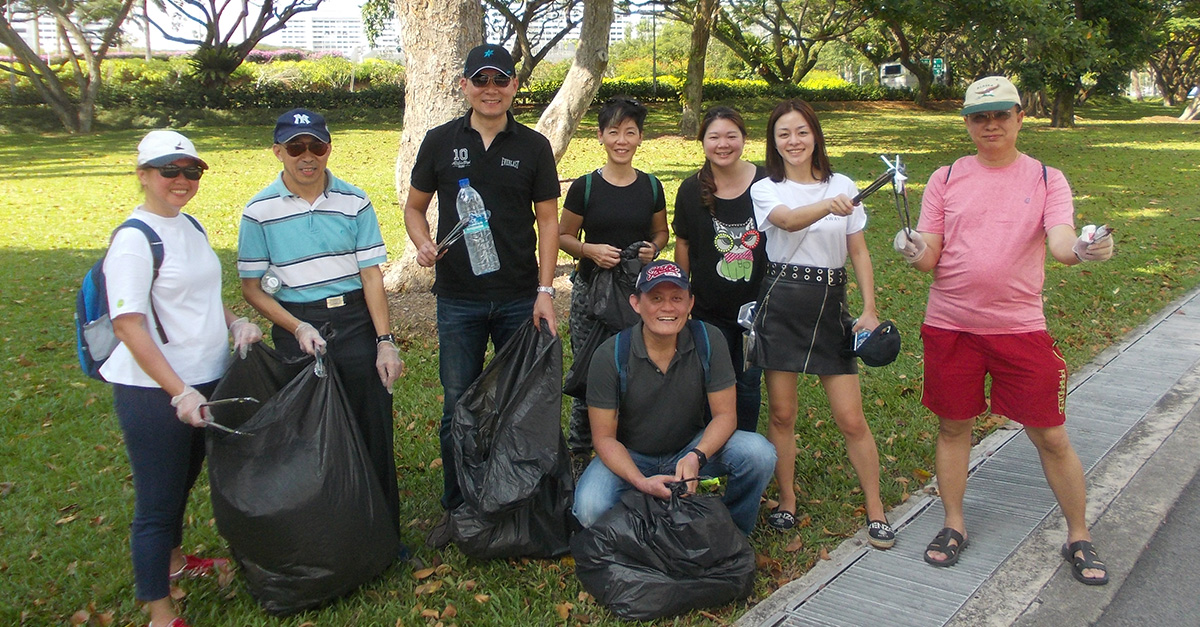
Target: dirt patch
point(414, 314)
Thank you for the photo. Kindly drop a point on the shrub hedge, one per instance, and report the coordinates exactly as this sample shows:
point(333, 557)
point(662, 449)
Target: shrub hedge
point(164, 85)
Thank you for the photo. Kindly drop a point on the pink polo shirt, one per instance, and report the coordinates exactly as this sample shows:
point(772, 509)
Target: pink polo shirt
point(993, 223)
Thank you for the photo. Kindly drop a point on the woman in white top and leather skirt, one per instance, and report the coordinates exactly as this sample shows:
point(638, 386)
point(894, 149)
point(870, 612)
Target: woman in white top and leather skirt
point(803, 323)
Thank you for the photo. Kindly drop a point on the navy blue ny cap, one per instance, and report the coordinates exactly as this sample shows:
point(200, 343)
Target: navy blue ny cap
point(299, 122)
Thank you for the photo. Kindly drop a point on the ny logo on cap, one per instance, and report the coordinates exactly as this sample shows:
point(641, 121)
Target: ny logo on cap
point(301, 118)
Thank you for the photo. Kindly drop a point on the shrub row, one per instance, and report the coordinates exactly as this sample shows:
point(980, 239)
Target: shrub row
point(184, 93)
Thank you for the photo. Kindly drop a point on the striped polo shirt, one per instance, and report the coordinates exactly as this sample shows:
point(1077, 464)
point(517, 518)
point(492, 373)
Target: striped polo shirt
point(316, 250)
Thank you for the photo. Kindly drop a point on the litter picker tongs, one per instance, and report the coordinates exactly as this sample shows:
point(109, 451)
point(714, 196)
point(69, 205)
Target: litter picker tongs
point(896, 173)
point(228, 401)
point(454, 235)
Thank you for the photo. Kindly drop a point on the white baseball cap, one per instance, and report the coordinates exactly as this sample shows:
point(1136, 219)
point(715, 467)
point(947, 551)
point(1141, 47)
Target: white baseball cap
point(991, 93)
point(159, 148)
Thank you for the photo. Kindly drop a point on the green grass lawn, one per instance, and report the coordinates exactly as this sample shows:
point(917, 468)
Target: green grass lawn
point(66, 494)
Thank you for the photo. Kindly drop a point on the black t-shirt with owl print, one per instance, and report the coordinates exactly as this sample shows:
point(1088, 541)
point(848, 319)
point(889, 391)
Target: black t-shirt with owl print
point(727, 255)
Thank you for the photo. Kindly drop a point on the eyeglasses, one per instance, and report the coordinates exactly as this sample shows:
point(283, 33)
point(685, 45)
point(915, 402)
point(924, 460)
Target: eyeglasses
point(983, 118)
point(499, 80)
point(191, 172)
point(295, 149)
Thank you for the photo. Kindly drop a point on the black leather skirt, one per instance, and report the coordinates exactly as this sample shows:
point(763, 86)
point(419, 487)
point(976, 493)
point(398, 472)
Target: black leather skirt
point(803, 326)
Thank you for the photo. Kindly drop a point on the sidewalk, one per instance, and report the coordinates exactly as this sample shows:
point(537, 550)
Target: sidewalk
point(1130, 418)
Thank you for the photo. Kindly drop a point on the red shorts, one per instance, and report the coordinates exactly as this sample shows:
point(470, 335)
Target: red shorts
point(1029, 376)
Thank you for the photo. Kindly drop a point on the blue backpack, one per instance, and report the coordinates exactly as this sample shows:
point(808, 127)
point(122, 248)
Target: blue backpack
point(94, 337)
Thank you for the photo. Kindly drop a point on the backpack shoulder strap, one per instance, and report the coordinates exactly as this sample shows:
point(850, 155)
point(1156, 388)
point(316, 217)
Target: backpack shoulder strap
point(156, 256)
point(621, 351)
point(195, 223)
point(703, 347)
point(654, 185)
point(948, 169)
point(587, 190)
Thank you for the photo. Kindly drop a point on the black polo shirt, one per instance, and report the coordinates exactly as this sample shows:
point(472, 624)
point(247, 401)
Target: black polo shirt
point(661, 411)
point(516, 171)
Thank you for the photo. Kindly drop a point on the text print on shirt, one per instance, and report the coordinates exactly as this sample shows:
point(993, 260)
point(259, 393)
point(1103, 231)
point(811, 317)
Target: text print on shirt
point(461, 158)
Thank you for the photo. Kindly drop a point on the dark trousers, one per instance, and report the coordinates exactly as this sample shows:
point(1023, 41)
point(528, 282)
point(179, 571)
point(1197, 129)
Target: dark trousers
point(350, 335)
point(464, 327)
point(749, 380)
point(166, 456)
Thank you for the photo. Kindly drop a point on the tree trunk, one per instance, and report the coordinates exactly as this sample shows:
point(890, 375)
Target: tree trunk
point(1192, 111)
point(561, 118)
point(693, 87)
point(1135, 84)
point(1063, 113)
point(436, 36)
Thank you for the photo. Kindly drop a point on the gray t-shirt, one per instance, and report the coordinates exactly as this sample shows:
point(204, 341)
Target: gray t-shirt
point(661, 411)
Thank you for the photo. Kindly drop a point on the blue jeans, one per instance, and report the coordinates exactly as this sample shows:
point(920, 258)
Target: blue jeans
point(166, 456)
point(464, 327)
point(747, 458)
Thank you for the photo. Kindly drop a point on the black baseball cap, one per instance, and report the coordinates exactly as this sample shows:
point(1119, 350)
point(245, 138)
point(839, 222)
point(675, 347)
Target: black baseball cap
point(489, 56)
point(882, 346)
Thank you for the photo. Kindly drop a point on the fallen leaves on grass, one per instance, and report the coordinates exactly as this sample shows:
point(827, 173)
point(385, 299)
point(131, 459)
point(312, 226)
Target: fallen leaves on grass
point(796, 544)
point(449, 612)
point(435, 464)
point(482, 598)
point(824, 554)
point(428, 588)
point(423, 573)
point(6, 487)
point(564, 609)
point(921, 474)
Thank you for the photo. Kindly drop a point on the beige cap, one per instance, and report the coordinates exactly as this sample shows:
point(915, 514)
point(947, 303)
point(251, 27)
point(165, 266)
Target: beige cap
point(991, 93)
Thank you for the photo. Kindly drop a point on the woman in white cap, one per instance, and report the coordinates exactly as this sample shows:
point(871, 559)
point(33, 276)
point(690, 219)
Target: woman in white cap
point(165, 303)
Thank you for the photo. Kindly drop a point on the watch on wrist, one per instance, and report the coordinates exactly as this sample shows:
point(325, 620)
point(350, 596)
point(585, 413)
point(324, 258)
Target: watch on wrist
point(386, 337)
point(543, 289)
point(700, 456)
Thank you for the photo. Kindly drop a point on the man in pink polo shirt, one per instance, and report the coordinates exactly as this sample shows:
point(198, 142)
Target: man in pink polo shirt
point(986, 222)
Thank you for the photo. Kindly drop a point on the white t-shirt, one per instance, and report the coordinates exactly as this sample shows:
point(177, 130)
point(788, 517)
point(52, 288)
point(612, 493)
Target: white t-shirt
point(187, 299)
point(823, 243)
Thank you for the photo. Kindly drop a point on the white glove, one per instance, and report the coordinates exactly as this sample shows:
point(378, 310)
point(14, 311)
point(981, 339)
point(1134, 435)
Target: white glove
point(910, 244)
point(388, 364)
point(310, 340)
point(244, 334)
point(187, 406)
point(1090, 248)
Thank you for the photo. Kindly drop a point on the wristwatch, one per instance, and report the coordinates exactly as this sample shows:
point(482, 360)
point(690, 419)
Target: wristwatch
point(543, 289)
point(386, 337)
point(700, 456)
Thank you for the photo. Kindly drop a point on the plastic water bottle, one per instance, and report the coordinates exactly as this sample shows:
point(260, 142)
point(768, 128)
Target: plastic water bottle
point(481, 247)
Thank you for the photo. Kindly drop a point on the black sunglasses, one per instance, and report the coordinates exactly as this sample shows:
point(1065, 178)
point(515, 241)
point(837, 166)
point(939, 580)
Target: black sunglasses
point(296, 149)
point(191, 172)
point(499, 80)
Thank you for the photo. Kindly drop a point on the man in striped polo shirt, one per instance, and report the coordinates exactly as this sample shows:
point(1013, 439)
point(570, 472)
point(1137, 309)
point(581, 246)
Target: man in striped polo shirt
point(313, 242)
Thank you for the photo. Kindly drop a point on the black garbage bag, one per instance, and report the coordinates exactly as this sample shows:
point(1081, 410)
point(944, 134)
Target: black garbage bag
point(610, 289)
point(298, 500)
point(511, 458)
point(577, 377)
point(648, 558)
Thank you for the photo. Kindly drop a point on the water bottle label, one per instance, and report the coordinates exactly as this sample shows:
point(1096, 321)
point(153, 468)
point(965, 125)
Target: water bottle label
point(478, 222)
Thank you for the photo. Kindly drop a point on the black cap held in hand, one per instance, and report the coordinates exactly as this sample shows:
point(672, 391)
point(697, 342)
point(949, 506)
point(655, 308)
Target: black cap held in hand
point(882, 346)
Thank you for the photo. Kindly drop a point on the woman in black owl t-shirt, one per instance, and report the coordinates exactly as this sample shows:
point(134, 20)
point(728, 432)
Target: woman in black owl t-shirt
point(717, 241)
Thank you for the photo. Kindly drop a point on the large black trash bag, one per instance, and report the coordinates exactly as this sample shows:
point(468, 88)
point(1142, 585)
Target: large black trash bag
point(648, 558)
point(577, 377)
point(512, 461)
point(610, 289)
point(298, 501)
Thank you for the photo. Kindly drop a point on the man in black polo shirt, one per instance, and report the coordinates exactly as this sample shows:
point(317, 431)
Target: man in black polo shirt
point(512, 167)
point(652, 433)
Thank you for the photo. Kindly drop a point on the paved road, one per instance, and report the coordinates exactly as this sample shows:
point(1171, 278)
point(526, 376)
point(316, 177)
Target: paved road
point(1164, 586)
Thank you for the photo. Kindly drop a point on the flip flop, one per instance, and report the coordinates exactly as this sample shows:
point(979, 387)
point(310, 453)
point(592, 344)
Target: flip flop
point(880, 534)
point(941, 544)
point(1089, 560)
point(781, 520)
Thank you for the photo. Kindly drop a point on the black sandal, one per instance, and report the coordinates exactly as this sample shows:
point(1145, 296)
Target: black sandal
point(781, 520)
point(1089, 560)
point(941, 544)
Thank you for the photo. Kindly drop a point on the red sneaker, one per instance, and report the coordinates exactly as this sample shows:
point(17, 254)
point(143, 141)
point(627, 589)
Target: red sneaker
point(197, 567)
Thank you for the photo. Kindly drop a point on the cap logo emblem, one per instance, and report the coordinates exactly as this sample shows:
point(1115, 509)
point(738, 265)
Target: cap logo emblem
point(301, 118)
point(986, 91)
point(663, 270)
point(179, 146)
point(488, 53)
